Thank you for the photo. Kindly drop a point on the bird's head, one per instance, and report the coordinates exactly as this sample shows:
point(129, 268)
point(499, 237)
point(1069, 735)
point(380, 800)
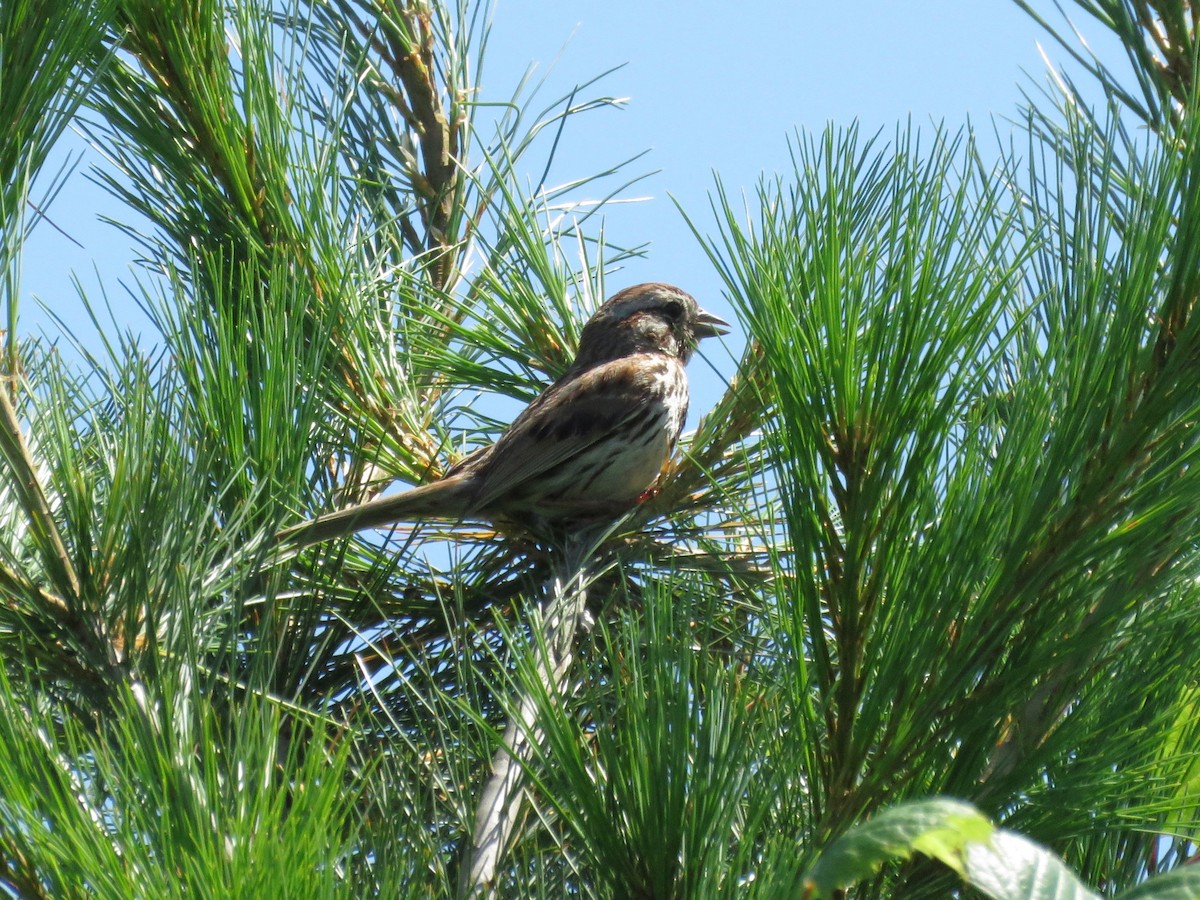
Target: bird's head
point(647, 318)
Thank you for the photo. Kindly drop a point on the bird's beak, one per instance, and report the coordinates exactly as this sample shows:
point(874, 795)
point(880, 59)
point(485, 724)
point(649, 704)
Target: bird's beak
point(708, 325)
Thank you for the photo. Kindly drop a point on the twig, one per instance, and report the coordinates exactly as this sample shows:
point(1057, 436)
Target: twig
point(33, 499)
point(554, 628)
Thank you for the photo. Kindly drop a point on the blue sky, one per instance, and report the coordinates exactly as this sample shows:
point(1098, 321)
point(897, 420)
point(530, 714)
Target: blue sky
point(711, 87)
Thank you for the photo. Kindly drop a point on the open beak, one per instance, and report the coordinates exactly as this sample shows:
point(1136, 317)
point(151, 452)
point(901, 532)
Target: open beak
point(708, 325)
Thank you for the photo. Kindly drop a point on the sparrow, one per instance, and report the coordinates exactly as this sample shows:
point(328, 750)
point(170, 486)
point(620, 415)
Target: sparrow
point(588, 448)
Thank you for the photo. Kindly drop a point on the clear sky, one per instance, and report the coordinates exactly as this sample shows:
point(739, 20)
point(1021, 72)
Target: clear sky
point(711, 87)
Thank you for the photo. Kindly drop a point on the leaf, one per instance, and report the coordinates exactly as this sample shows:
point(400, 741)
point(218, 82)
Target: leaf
point(940, 828)
point(1181, 884)
point(999, 863)
point(1012, 867)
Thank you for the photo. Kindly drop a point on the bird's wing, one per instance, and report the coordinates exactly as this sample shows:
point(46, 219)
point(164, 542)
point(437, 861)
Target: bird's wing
point(568, 418)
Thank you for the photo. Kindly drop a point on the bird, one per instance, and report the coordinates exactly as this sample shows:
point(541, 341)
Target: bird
point(589, 448)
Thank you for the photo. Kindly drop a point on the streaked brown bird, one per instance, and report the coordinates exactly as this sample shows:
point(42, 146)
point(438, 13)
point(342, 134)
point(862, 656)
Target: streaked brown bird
point(588, 448)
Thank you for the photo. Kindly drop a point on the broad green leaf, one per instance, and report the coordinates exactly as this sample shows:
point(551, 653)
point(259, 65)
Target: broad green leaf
point(1012, 867)
point(1181, 884)
point(940, 828)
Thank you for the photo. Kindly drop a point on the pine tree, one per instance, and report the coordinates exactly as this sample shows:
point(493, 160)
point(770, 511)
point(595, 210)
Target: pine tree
point(935, 540)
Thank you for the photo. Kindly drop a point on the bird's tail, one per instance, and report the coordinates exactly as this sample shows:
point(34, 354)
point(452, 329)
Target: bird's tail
point(446, 499)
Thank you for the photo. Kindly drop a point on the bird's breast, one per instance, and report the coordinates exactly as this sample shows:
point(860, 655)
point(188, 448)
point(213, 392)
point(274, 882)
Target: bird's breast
point(636, 435)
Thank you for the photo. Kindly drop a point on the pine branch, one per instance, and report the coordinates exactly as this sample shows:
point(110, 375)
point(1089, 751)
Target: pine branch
point(554, 629)
point(25, 480)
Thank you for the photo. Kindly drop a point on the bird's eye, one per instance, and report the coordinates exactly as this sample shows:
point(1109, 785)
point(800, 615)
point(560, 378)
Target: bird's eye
point(673, 308)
